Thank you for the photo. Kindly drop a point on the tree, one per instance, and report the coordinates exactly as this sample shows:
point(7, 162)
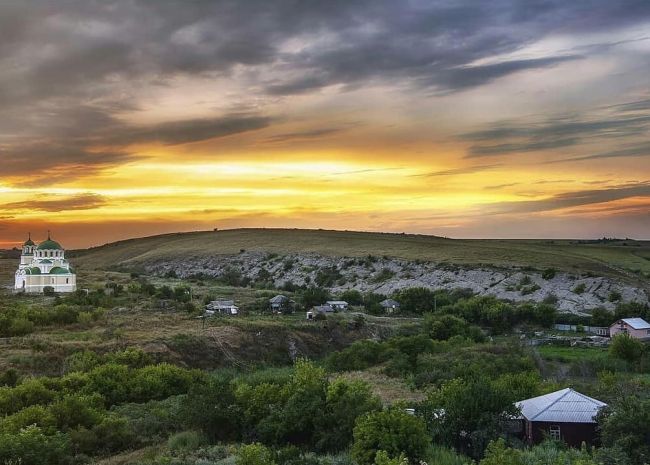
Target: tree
point(393, 431)
point(313, 296)
point(352, 296)
point(625, 428)
point(416, 300)
point(210, 407)
point(626, 347)
point(345, 402)
point(467, 414)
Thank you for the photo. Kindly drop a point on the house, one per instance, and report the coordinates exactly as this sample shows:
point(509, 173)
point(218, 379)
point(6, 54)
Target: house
point(390, 305)
point(280, 303)
point(44, 266)
point(637, 328)
point(564, 415)
point(224, 307)
point(322, 309)
point(337, 305)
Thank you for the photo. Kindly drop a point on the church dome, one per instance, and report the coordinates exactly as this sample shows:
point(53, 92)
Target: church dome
point(59, 270)
point(49, 245)
point(29, 242)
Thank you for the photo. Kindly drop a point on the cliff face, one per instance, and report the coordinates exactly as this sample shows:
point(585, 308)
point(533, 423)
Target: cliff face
point(575, 293)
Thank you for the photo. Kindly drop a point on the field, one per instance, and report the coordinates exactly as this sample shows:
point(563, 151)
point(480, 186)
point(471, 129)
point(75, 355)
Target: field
point(629, 259)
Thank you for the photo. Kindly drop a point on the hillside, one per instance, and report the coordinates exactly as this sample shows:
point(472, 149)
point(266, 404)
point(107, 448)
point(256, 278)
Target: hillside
point(628, 260)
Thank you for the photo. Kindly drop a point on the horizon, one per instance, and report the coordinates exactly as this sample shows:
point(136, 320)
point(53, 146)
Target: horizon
point(471, 120)
point(17, 245)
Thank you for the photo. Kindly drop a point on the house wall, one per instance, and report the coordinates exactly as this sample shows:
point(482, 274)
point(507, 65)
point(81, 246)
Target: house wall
point(621, 327)
point(573, 434)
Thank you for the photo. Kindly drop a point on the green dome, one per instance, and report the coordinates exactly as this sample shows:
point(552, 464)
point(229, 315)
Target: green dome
point(59, 270)
point(46, 261)
point(33, 270)
point(29, 242)
point(49, 245)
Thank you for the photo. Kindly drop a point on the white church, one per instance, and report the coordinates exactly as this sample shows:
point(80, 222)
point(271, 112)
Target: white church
point(44, 265)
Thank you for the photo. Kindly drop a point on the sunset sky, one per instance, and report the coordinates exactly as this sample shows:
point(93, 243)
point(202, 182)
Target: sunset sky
point(498, 118)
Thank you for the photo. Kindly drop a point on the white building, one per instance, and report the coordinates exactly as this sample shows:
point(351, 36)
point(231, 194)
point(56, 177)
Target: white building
point(42, 266)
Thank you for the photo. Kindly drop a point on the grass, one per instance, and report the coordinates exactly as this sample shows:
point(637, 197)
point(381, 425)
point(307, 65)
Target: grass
point(612, 259)
point(573, 354)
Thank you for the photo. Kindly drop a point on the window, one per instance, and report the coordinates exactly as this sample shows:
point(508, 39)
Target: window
point(554, 433)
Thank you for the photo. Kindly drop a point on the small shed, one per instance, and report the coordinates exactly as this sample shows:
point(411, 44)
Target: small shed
point(564, 415)
point(637, 328)
point(390, 305)
point(337, 305)
point(280, 303)
point(224, 307)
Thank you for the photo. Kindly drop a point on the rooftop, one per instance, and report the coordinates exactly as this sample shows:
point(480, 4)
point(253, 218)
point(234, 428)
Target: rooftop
point(636, 323)
point(564, 406)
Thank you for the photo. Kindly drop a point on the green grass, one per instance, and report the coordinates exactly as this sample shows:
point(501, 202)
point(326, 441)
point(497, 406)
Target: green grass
point(572, 354)
point(571, 256)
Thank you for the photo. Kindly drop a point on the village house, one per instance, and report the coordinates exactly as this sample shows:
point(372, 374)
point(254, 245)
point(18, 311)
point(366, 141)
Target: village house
point(596, 330)
point(389, 305)
point(637, 328)
point(322, 309)
point(224, 307)
point(564, 415)
point(280, 304)
point(338, 305)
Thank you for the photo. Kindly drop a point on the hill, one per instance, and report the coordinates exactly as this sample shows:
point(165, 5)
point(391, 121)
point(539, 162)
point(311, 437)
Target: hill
point(623, 259)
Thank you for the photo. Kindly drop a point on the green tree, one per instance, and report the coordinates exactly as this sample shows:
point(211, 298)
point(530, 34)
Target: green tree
point(393, 431)
point(345, 402)
point(416, 300)
point(497, 453)
point(625, 427)
point(467, 414)
point(626, 347)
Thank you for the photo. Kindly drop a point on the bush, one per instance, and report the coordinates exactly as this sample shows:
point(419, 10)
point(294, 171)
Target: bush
point(49, 291)
point(393, 431)
point(255, 454)
point(579, 289)
point(185, 441)
point(626, 348)
point(548, 273)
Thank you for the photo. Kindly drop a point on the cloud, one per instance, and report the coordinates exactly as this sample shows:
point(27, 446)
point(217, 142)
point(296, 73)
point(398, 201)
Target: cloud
point(640, 150)
point(533, 135)
point(57, 203)
point(308, 134)
point(458, 171)
point(574, 199)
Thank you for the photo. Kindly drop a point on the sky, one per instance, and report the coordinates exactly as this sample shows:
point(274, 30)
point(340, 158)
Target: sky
point(458, 118)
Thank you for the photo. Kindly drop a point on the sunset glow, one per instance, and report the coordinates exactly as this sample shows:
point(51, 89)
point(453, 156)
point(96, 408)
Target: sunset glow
point(460, 121)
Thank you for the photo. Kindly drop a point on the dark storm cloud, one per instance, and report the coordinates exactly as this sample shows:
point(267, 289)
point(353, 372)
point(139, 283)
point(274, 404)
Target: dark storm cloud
point(59, 60)
point(57, 203)
point(575, 199)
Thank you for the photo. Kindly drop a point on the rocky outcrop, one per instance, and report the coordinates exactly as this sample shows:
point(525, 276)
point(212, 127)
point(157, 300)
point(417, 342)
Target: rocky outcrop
point(573, 293)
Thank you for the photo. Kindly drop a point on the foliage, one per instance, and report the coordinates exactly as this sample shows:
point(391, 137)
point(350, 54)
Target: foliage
point(467, 414)
point(626, 347)
point(312, 296)
point(625, 427)
point(393, 431)
point(255, 454)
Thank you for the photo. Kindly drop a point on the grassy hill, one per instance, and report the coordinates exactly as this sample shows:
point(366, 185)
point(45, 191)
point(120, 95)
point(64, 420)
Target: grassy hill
point(626, 258)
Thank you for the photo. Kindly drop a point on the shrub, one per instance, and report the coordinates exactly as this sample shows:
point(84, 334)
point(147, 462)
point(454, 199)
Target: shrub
point(185, 441)
point(579, 289)
point(49, 291)
point(255, 454)
point(548, 273)
point(393, 431)
point(614, 296)
point(626, 348)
